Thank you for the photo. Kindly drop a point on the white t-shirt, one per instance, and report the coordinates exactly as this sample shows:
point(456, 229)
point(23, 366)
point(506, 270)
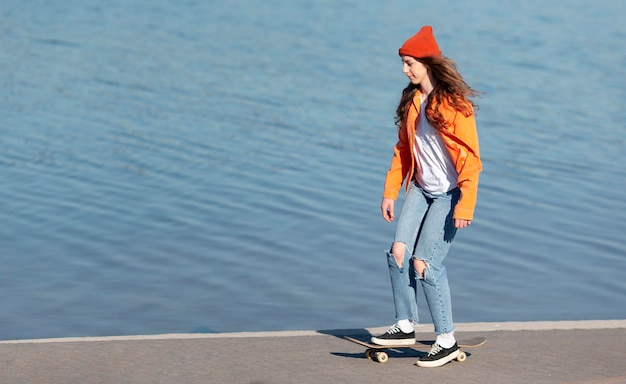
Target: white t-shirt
point(436, 172)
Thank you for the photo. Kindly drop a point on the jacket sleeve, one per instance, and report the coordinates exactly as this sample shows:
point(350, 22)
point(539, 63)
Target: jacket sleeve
point(400, 165)
point(468, 164)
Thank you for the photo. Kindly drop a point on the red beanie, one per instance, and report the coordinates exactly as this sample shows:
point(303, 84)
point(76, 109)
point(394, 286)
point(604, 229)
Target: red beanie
point(422, 44)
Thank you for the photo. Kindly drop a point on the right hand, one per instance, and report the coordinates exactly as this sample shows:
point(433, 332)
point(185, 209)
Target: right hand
point(387, 209)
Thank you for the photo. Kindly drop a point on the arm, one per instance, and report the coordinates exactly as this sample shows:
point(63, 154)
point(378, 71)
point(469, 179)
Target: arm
point(462, 143)
point(401, 165)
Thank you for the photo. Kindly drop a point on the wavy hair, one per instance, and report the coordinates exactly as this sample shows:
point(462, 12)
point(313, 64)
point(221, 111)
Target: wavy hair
point(449, 87)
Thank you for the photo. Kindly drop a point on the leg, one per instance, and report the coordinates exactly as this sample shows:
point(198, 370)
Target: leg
point(403, 281)
point(431, 249)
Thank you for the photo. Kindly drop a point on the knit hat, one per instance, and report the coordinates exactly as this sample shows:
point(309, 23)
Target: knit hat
point(422, 44)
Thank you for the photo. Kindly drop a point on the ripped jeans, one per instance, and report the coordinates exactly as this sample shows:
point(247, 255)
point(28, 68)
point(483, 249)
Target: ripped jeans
point(426, 228)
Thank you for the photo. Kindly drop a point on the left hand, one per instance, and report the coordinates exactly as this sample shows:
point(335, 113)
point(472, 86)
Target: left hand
point(461, 223)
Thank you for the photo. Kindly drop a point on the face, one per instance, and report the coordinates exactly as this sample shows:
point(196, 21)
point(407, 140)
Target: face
point(414, 70)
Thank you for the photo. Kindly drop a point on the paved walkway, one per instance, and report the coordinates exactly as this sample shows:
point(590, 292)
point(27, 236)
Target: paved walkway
point(538, 352)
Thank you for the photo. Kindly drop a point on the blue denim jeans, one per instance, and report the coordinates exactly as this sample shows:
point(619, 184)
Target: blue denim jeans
point(426, 227)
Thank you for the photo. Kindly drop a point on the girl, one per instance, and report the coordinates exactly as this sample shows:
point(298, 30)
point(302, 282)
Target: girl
point(437, 153)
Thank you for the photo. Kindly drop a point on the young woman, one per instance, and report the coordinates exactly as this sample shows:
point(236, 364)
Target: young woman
point(437, 154)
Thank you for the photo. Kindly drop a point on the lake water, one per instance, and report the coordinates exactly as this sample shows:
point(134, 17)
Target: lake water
point(213, 166)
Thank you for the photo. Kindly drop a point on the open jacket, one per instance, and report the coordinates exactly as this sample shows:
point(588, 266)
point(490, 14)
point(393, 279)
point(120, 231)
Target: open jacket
point(461, 140)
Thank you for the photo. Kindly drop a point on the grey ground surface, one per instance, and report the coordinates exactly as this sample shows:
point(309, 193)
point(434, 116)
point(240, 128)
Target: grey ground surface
point(509, 356)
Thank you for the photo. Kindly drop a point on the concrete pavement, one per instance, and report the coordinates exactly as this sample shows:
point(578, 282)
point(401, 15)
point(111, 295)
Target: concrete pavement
point(577, 352)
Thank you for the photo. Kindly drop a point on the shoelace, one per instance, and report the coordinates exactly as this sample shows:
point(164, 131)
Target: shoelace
point(435, 349)
point(394, 329)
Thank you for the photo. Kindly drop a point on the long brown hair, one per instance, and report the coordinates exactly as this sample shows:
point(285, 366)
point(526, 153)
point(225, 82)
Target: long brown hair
point(449, 87)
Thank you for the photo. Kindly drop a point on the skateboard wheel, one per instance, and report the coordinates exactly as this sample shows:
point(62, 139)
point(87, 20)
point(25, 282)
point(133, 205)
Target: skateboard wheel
point(461, 357)
point(369, 353)
point(382, 357)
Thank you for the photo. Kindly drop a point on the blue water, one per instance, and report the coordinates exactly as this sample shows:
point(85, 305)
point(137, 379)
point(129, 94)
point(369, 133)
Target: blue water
point(195, 166)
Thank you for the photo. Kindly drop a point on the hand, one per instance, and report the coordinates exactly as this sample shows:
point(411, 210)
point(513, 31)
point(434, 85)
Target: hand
point(387, 209)
point(461, 223)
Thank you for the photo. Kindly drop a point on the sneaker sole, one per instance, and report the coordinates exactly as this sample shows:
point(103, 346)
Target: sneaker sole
point(384, 342)
point(440, 362)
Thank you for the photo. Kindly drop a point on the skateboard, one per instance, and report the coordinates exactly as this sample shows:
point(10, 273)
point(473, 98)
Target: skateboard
point(378, 352)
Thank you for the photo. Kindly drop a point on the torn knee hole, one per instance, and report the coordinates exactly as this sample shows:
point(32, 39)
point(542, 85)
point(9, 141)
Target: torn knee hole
point(398, 250)
point(420, 266)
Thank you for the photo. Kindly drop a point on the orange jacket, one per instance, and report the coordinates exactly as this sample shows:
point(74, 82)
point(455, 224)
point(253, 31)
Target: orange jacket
point(461, 141)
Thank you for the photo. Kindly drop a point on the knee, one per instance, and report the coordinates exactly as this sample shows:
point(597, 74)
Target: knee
point(398, 250)
point(419, 266)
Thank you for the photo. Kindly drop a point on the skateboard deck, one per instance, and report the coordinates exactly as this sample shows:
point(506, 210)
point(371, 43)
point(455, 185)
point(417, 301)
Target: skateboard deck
point(378, 352)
